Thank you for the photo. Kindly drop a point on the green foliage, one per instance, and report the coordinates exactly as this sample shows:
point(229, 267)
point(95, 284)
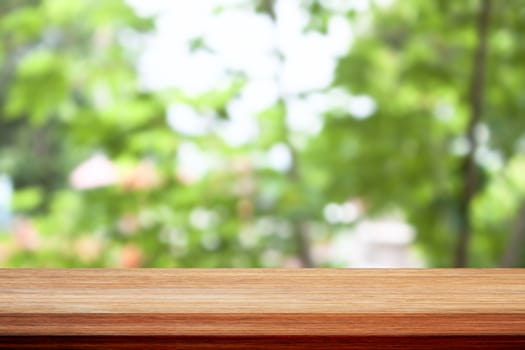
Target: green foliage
point(68, 90)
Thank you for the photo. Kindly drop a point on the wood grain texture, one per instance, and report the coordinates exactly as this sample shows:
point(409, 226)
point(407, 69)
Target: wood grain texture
point(348, 306)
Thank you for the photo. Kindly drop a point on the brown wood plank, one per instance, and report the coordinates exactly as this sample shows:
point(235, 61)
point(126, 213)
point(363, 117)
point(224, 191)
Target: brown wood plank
point(266, 306)
point(262, 324)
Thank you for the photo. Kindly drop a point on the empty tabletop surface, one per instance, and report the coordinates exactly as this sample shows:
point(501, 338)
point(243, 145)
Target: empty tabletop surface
point(262, 302)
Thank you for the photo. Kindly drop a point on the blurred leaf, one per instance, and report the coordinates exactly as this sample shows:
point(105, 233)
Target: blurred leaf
point(27, 199)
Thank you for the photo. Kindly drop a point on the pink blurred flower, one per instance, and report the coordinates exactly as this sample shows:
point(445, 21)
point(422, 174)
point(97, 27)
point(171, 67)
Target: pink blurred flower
point(292, 262)
point(129, 224)
point(185, 177)
point(97, 171)
point(25, 233)
point(321, 252)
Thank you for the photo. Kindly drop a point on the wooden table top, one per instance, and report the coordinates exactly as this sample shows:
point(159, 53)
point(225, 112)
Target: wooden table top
point(262, 302)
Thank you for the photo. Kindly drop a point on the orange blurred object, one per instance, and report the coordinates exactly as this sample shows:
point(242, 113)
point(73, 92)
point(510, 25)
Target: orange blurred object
point(88, 248)
point(130, 256)
point(143, 177)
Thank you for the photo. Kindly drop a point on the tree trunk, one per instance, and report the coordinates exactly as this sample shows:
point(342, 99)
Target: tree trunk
point(475, 99)
point(301, 228)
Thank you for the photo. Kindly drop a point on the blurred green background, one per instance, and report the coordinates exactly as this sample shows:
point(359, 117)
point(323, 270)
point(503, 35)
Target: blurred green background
point(262, 133)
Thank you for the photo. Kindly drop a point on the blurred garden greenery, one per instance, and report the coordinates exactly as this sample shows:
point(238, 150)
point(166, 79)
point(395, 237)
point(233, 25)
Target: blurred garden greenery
point(420, 121)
